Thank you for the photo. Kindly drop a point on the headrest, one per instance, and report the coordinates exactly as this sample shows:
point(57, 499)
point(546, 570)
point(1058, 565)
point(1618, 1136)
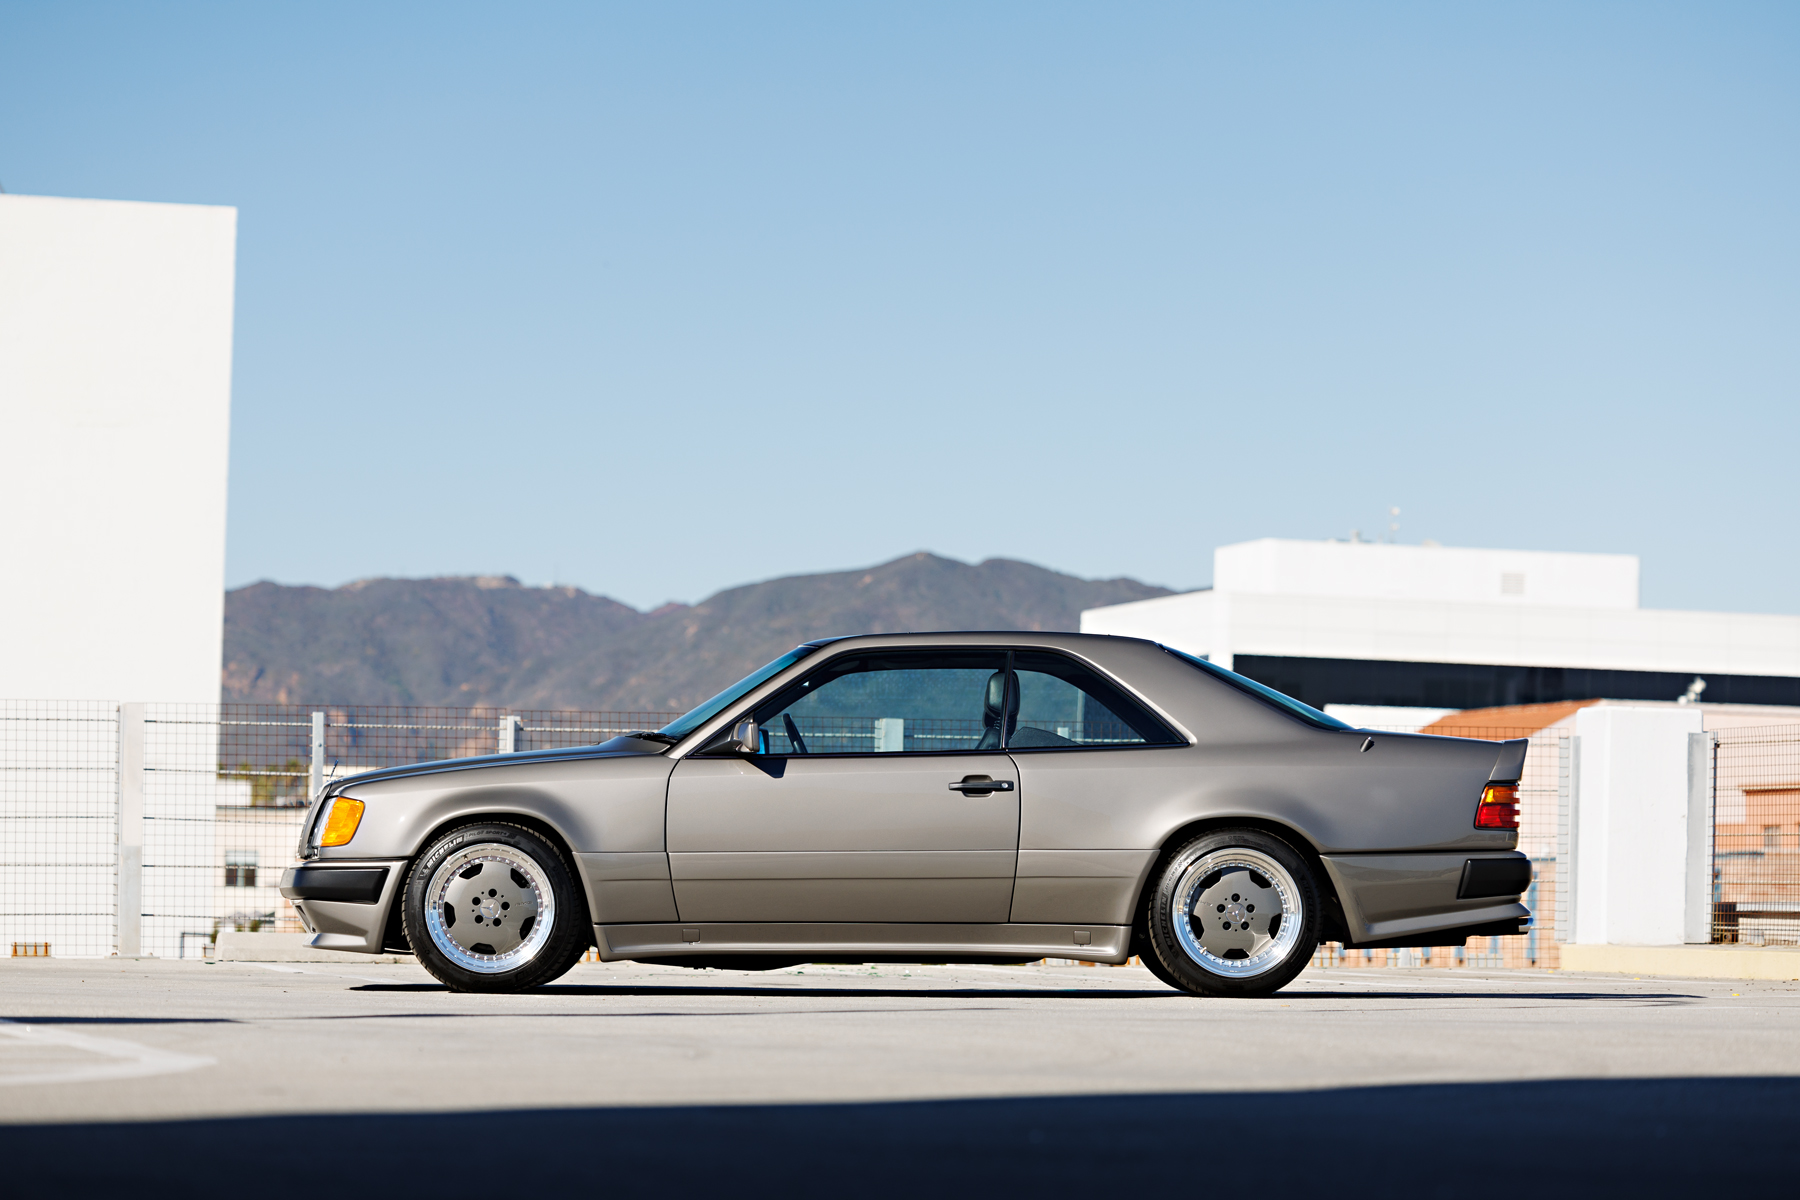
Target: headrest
point(995, 696)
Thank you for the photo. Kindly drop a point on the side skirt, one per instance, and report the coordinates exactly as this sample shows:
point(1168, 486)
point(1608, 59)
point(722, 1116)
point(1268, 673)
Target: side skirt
point(891, 943)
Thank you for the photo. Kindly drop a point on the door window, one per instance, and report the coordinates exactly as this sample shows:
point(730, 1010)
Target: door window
point(1064, 704)
point(891, 702)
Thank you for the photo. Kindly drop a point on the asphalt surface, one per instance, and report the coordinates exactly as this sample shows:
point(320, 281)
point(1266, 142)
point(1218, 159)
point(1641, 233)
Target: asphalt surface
point(274, 1079)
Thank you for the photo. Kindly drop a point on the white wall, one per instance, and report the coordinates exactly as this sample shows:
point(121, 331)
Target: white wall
point(115, 393)
point(1390, 571)
point(1632, 833)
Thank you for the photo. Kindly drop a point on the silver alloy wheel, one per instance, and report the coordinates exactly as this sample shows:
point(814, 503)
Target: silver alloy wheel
point(489, 908)
point(1238, 912)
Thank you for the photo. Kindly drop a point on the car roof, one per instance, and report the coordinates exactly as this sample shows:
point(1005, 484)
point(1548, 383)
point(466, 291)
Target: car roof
point(981, 637)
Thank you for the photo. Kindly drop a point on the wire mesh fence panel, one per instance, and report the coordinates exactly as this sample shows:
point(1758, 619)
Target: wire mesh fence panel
point(182, 797)
point(369, 737)
point(227, 789)
point(59, 787)
point(1079, 731)
point(869, 735)
point(1540, 801)
point(545, 729)
point(1756, 836)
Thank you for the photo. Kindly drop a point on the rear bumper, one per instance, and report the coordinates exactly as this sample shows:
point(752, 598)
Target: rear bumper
point(1405, 899)
point(345, 906)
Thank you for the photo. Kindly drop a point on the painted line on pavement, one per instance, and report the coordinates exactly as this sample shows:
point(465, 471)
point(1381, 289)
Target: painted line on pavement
point(132, 1060)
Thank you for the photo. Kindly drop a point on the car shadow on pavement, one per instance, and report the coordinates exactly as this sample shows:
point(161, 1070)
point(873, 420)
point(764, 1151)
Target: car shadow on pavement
point(777, 990)
point(1579, 1137)
point(1018, 993)
point(29, 1020)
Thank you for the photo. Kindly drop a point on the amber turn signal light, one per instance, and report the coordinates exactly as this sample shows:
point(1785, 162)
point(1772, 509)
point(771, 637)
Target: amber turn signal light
point(341, 821)
point(1499, 807)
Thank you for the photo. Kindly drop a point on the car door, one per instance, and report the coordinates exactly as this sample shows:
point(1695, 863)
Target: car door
point(883, 795)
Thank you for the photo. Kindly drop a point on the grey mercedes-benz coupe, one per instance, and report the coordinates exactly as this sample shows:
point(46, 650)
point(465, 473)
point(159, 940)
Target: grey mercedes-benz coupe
point(955, 797)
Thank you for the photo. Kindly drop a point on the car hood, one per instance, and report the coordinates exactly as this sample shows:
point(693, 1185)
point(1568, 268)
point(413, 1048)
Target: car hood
point(619, 747)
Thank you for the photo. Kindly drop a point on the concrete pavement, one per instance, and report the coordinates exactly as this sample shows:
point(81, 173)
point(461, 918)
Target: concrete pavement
point(1073, 1073)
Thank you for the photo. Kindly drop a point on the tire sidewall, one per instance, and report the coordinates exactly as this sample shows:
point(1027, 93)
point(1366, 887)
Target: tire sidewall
point(1160, 916)
point(559, 951)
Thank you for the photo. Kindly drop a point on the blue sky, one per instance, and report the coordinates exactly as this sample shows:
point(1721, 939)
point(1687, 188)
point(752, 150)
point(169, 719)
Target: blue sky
point(658, 299)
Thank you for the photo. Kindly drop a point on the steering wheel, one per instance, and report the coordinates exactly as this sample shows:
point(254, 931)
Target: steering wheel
point(793, 733)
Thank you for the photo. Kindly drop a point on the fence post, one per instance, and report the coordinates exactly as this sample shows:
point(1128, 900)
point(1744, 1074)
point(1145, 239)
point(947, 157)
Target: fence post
point(1568, 822)
point(510, 728)
point(1697, 918)
point(316, 781)
point(130, 902)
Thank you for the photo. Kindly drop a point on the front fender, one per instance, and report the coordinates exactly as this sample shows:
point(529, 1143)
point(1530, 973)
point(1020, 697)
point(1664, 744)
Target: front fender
point(608, 805)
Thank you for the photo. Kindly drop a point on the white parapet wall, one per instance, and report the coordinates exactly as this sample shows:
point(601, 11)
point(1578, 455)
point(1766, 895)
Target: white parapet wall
point(1639, 828)
point(115, 394)
point(1223, 625)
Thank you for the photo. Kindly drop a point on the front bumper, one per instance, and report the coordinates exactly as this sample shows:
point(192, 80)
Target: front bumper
point(345, 905)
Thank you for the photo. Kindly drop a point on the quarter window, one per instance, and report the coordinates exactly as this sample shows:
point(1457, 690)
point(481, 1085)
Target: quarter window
point(1064, 704)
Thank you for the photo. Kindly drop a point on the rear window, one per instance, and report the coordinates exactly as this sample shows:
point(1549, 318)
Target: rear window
point(1267, 695)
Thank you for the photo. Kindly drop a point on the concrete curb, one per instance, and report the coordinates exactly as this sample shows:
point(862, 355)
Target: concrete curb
point(288, 947)
point(1694, 962)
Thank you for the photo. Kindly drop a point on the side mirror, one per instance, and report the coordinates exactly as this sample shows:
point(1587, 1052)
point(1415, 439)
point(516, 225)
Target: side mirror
point(744, 738)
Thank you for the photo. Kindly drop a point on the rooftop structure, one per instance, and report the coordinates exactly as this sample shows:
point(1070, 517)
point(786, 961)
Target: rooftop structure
point(1356, 623)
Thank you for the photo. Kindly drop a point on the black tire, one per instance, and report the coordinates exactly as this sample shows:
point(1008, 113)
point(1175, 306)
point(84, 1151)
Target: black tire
point(489, 938)
point(1147, 955)
point(1228, 873)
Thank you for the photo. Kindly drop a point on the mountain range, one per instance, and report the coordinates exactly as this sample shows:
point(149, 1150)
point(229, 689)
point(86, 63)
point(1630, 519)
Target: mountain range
point(489, 641)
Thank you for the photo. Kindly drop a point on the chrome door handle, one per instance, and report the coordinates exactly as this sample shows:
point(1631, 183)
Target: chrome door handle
point(973, 785)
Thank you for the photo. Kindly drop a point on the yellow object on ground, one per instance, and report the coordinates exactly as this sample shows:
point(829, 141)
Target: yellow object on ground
point(1695, 962)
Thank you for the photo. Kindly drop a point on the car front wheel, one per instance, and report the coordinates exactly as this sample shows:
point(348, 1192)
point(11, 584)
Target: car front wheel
point(493, 907)
point(1233, 912)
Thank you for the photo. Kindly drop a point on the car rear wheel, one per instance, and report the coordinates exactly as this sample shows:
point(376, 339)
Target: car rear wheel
point(1234, 912)
point(494, 908)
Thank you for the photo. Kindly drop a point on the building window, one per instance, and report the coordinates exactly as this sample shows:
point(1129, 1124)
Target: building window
point(240, 868)
point(1771, 837)
point(1512, 583)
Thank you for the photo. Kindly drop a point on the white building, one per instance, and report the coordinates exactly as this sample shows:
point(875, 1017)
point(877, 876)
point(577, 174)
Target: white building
point(1437, 628)
point(115, 396)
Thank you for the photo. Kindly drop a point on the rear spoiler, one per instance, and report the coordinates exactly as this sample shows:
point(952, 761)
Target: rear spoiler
point(1511, 763)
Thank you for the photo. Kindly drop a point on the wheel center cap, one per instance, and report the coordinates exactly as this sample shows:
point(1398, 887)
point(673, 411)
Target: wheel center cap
point(489, 909)
point(1234, 913)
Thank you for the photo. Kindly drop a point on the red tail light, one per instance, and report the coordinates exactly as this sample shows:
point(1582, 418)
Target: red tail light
point(1499, 807)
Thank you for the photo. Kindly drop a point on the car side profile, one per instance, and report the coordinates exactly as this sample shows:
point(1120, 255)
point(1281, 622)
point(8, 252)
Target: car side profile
point(965, 797)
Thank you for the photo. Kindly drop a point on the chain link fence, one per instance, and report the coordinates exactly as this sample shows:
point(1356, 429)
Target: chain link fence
point(59, 799)
point(221, 792)
point(189, 813)
point(1756, 836)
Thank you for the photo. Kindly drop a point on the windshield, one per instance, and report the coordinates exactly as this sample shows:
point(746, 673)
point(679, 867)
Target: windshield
point(1305, 712)
point(694, 718)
